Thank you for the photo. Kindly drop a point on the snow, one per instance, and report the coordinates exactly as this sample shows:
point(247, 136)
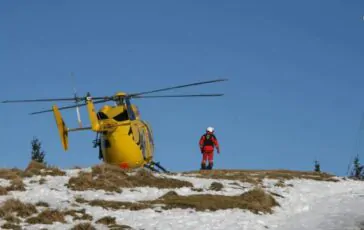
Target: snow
point(306, 204)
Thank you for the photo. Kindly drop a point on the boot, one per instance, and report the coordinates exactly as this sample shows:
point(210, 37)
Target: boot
point(210, 165)
point(203, 166)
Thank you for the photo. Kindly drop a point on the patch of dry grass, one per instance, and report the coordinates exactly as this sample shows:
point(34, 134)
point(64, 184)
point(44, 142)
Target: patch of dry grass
point(281, 183)
point(8, 225)
point(39, 169)
point(16, 175)
point(83, 226)
point(108, 204)
point(47, 216)
point(107, 220)
point(256, 200)
point(78, 214)
point(197, 189)
point(216, 186)
point(111, 223)
point(16, 184)
point(256, 176)
point(16, 206)
point(10, 174)
point(34, 168)
point(42, 204)
point(10, 218)
point(119, 227)
point(3, 191)
point(112, 178)
point(42, 181)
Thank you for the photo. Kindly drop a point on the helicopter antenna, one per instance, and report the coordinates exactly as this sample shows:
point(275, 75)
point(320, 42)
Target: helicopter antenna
point(76, 101)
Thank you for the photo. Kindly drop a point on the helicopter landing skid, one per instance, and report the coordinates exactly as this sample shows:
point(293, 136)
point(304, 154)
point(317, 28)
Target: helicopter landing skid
point(158, 167)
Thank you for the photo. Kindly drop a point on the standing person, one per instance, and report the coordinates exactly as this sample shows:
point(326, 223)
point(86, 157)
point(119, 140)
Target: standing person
point(207, 143)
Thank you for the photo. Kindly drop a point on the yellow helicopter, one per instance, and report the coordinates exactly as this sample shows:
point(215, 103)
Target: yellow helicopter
point(123, 138)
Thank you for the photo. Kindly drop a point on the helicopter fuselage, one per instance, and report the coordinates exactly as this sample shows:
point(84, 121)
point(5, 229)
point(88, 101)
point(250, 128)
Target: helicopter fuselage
point(127, 143)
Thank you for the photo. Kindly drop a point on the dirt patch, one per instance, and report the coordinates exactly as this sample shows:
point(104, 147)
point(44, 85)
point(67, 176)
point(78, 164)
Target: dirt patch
point(47, 216)
point(257, 176)
point(256, 200)
point(21, 209)
point(112, 178)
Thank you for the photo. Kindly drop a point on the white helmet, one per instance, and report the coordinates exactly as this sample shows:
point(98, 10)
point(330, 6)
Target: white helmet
point(210, 129)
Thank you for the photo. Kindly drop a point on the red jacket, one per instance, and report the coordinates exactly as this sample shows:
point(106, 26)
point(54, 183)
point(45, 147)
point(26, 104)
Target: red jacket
point(208, 141)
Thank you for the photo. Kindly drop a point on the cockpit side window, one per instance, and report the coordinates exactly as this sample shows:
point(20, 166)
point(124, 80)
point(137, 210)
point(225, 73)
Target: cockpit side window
point(102, 116)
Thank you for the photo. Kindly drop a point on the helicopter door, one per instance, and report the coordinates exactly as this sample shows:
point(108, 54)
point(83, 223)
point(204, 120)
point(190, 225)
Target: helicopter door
point(130, 111)
point(142, 143)
point(138, 136)
point(149, 138)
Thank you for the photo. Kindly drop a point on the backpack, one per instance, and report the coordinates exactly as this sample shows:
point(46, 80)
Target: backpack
point(208, 140)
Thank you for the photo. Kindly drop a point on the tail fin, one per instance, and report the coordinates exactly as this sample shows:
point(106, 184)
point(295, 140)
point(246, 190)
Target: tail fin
point(92, 114)
point(62, 128)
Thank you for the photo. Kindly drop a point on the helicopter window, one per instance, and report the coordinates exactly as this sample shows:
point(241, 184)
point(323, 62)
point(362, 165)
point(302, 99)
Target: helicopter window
point(123, 116)
point(101, 116)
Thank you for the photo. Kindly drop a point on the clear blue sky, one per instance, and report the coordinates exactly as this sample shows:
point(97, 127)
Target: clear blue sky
point(295, 69)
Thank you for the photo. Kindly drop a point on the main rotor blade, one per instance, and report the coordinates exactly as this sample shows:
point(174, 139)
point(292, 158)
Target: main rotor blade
point(176, 87)
point(43, 100)
point(75, 99)
point(182, 95)
point(67, 107)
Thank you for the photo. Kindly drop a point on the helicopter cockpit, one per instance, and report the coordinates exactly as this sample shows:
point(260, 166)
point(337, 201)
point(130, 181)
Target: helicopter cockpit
point(120, 101)
point(118, 113)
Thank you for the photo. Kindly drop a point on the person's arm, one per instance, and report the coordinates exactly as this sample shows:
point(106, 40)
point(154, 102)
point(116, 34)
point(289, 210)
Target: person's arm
point(216, 143)
point(201, 143)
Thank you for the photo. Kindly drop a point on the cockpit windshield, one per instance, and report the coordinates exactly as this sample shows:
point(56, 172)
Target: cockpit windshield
point(123, 116)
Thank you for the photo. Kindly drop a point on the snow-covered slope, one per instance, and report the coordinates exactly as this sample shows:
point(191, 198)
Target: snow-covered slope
point(303, 203)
